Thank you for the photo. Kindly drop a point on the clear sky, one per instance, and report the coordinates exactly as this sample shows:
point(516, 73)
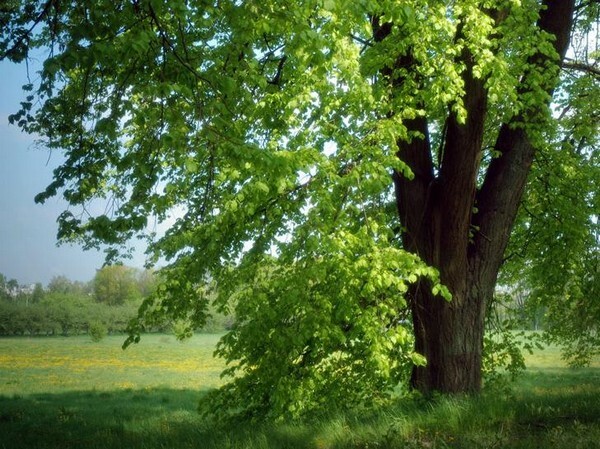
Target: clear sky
point(28, 251)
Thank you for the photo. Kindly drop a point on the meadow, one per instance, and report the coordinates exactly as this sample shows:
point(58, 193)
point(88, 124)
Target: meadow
point(73, 393)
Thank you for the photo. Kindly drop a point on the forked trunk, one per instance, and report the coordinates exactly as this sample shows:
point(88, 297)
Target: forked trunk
point(456, 225)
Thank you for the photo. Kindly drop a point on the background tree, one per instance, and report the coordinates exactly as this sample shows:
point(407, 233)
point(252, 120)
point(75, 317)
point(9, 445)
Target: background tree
point(3, 287)
point(336, 166)
point(37, 295)
point(147, 282)
point(66, 308)
point(97, 331)
point(63, 285)
point(116, 285)
point(12, 288)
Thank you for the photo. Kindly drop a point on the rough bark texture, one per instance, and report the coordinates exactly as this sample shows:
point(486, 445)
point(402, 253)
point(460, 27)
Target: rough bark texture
point(436, 211)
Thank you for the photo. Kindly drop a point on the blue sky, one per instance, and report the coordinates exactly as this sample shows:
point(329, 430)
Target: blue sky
point(28, 251)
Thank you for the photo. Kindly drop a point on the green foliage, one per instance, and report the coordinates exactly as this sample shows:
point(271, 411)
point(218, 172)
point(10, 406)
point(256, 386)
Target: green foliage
point(326, 331)
point(554, 251)
point(69, 308)
point(97, 331)
point(263, 136)
point(116, 285)
point(504, 354)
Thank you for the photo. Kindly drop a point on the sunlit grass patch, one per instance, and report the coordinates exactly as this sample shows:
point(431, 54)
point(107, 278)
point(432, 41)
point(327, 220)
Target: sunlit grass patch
point(42, 365)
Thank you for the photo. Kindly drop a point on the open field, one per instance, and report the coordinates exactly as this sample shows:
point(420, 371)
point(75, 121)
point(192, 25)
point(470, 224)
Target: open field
point(66, 364)
point(72, 393)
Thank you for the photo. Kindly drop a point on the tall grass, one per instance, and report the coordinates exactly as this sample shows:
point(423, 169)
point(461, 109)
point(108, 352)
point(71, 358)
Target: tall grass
point(71, 393)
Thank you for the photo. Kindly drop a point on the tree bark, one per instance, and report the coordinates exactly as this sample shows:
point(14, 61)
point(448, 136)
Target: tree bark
point(439, 225)
point(451, 338)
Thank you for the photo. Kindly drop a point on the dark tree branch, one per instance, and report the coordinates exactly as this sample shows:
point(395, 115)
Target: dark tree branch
point(25, 36)
point(277, 79)
point(168, 44)
point(458, 171)
point(583, 5)
point(366, 43)
point(570, 64)
point(500, 195)
point(412, 196)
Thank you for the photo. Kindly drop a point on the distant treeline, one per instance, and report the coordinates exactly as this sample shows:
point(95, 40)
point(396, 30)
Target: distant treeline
point(105, 305)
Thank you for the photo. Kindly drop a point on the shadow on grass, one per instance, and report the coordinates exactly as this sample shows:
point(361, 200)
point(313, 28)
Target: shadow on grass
point(551, 408)
point(147, 418)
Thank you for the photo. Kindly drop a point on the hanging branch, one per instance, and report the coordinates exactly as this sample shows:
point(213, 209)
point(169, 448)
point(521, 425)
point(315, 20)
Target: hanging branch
point(25, 36)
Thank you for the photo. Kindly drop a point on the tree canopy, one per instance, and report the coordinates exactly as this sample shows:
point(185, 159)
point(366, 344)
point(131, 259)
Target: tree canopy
point(348, 173)
point(117, 285)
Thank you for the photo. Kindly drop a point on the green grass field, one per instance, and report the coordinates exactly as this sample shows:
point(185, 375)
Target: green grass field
point(72, 393)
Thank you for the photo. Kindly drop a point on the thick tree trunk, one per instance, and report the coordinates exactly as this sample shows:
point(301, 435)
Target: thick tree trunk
point(452, 339)
point(439, 225)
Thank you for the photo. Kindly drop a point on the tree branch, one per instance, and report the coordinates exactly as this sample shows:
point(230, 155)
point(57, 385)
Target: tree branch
point(412, 196)
point(571, 64)
point(583, 5)
point(169, 44)
point(25, 36)
point(500, 195)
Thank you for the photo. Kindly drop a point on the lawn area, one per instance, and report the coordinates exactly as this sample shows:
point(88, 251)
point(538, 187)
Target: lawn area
point(72, 393)
point(67, 364)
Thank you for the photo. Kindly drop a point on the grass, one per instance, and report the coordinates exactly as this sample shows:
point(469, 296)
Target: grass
point(65, 364)
point(72, 393)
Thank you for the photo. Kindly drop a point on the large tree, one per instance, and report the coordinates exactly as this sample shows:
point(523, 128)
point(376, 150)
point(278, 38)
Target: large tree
point(348, 173)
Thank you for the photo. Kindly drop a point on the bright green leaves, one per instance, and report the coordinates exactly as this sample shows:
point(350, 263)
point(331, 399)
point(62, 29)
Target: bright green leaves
point(439, 289)
point(191, 166)
point(330, 329)
point(262, 137)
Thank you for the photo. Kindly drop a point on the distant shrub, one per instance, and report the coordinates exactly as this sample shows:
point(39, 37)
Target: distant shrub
point(181, 329)
point(97, 331)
